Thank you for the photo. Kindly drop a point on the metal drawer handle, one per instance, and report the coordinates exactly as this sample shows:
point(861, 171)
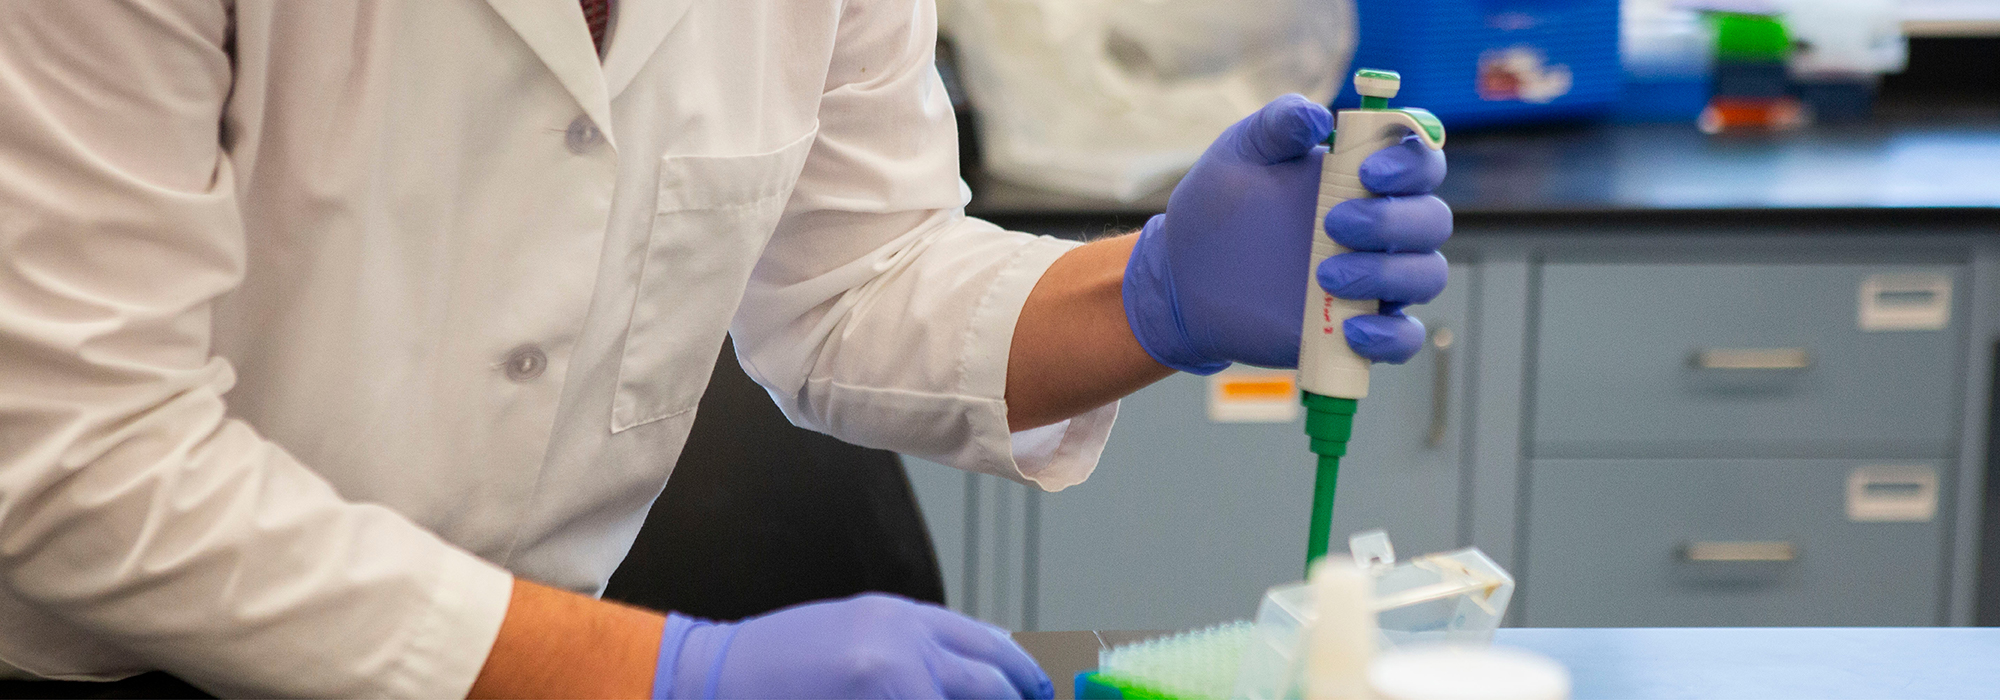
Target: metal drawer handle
point(1441, 340)
point(1752, 358)
point(1739, 552)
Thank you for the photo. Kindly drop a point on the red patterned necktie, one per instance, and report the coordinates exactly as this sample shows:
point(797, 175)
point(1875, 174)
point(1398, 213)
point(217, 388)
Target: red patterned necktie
point(597, 13)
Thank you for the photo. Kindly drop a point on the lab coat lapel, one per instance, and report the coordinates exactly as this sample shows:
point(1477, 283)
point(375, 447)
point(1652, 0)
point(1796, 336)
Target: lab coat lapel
point(555, 31)
point(642, 25)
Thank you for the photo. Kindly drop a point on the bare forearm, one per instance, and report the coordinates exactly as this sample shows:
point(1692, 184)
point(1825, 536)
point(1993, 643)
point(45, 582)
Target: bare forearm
point(558, 644)
point(1073, 349)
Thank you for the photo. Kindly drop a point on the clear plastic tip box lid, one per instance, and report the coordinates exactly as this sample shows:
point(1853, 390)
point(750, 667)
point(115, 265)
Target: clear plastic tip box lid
point(1455, 597)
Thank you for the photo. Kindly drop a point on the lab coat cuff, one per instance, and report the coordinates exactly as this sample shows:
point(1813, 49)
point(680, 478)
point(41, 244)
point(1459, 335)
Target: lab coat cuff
point(1056, 457)
point(1052, 457)
point(449, 645)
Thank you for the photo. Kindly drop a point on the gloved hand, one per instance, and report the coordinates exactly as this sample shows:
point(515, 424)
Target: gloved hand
point(1220, 277)
point(868, 646)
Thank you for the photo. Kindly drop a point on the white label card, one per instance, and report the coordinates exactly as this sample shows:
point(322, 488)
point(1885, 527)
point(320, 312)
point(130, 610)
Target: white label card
point(1251, 395)
point(1906, 302)
point(1892, 493)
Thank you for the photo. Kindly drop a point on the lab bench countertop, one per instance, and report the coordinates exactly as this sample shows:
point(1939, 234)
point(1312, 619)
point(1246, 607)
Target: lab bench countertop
point(1649, 168)
point(1879, 663)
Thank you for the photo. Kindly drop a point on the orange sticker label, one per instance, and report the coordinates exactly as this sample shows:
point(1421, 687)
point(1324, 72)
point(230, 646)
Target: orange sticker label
point(1252, 395)
point(1257, 389)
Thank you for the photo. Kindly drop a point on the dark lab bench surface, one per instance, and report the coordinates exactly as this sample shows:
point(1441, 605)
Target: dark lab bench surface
point(1880, 663)
point(1945, 164)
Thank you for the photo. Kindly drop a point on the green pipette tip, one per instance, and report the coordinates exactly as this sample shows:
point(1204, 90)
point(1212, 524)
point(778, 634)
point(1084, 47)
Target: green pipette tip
point(1329, 423)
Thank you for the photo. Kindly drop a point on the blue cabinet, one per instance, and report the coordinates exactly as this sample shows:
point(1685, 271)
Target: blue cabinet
point(1708, 439)
point(1650, 424)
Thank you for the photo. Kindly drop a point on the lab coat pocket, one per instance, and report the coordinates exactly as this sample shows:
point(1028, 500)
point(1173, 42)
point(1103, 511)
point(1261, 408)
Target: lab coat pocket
point(714, 217)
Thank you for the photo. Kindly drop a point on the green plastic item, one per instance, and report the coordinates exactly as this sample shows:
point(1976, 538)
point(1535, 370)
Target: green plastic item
point(1329, 448)
point(1091, 685)
point(1432, 127)
point(1329, 404)
point(1329, 424)
point(1200, 664)
point(1747, 37)
point(1325, 478)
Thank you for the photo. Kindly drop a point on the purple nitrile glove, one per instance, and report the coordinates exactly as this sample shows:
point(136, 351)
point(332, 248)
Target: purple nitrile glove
point(867, 646)
point(1220, 277)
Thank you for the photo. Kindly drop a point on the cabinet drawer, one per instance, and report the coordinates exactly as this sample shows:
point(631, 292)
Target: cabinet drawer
point(1740, 361)
point(1733, 543)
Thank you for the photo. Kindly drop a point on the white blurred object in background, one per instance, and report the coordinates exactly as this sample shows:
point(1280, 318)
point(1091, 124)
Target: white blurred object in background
point(1116, 98)
point(1951, 17)
point(1846, 38)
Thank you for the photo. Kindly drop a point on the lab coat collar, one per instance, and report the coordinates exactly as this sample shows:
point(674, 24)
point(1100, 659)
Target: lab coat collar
point(642, 25)
point(556, 32)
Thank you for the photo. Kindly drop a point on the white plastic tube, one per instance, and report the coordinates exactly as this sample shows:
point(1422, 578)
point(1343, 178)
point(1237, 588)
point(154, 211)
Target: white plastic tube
point(1340, 640)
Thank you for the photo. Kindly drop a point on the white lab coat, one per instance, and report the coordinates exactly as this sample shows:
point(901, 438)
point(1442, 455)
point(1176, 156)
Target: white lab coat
point(318, 318)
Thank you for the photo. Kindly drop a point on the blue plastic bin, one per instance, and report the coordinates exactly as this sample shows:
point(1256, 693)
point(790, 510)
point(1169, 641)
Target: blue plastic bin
point(1656, 100)
point(1486, 62)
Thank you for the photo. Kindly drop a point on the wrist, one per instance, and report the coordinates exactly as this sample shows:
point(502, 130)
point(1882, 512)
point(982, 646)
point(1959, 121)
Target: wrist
point(556, 643)
point(691, 655)
point(1151, 308)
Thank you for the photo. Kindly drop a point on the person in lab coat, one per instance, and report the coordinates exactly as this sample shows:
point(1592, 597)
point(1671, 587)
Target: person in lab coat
point(344, 345)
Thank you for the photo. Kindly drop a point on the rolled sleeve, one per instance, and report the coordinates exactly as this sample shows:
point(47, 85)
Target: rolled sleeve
point(880, 313)
point(449, 645)
point(1051, 457)
point(914, 358)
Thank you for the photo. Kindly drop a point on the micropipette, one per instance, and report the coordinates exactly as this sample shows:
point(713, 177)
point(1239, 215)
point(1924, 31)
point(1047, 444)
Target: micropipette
point(1332, 376)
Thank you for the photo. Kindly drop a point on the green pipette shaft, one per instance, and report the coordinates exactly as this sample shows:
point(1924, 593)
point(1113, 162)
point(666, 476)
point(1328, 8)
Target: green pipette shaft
point(1332, 376)
point(1329, 423)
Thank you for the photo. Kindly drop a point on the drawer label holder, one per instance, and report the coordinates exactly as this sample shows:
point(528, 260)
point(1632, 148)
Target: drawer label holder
point(1892, 493)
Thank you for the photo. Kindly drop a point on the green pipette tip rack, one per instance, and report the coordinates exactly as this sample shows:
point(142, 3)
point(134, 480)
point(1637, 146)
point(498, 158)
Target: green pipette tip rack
point(1329, 423)
point(1091, 685)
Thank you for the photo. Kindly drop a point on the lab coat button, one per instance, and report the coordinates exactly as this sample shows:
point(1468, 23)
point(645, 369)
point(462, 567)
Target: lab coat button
point(580, 135)
point(525, 363)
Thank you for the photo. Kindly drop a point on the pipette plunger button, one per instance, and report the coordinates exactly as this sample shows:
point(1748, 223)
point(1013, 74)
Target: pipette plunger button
point(1370, 82)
